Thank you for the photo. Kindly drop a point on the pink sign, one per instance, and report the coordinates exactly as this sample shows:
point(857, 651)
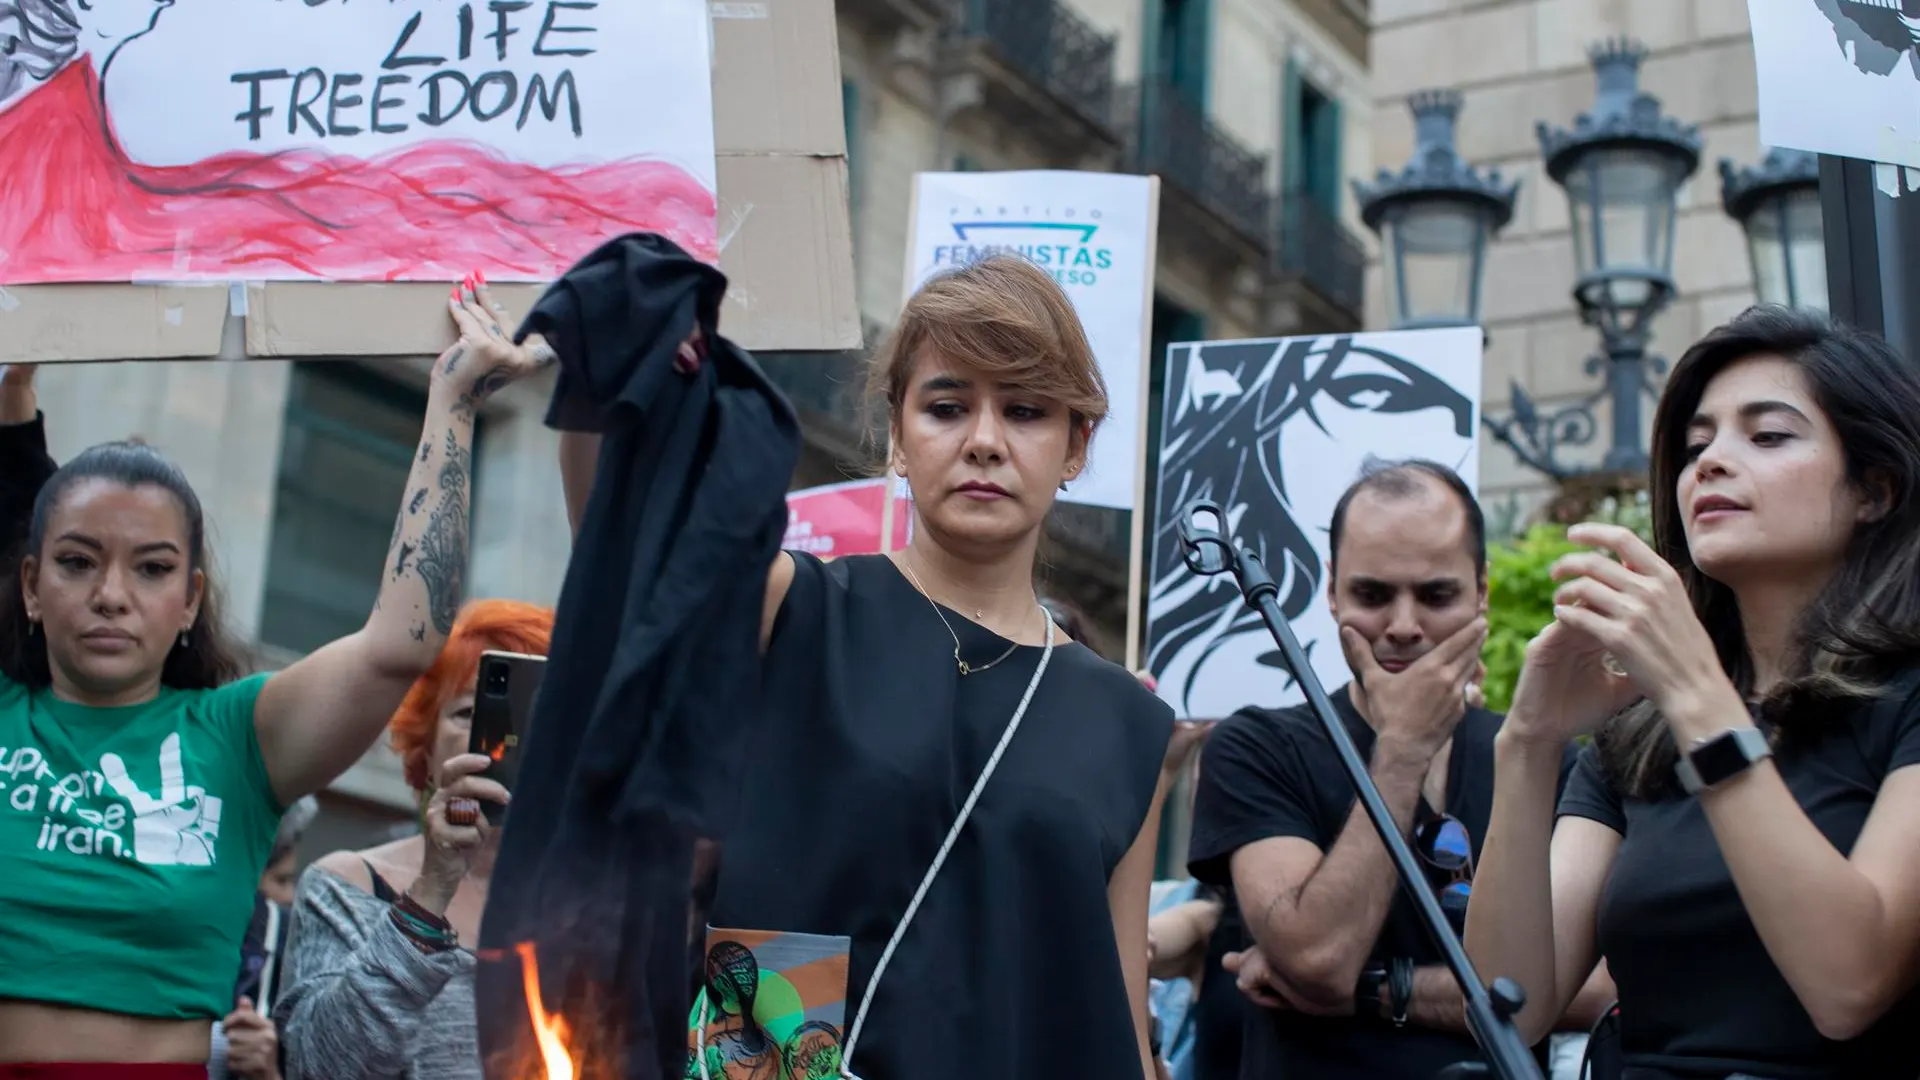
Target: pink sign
point(844, 519)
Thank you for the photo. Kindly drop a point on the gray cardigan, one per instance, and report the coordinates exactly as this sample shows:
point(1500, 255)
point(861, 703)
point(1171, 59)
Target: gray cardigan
point(360, 1002)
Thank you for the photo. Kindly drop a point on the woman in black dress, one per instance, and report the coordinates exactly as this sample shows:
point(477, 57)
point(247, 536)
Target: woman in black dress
point(1738, 841)
point(942, 861)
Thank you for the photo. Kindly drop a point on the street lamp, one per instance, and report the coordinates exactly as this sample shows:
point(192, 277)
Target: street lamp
point(1777, 202)
point(1434, 218)
point(1621, 165)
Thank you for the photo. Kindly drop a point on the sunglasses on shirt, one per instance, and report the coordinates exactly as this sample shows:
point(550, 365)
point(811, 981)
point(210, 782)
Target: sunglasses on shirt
point(1442, 843)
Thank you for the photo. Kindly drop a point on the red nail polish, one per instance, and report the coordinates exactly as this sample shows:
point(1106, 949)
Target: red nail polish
point(480, 277)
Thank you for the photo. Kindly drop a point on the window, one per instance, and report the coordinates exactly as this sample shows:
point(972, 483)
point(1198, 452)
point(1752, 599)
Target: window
point(1181, 48)
point(1312, 141)
point(349, 443)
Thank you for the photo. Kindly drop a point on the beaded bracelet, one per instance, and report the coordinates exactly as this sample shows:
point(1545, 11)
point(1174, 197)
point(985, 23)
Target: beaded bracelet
point(429, 933)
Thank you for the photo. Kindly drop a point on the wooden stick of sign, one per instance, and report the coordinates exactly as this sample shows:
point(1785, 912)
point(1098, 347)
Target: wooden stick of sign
point(1144, 456)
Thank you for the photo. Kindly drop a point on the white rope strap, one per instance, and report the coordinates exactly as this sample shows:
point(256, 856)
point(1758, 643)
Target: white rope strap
point(926, 883)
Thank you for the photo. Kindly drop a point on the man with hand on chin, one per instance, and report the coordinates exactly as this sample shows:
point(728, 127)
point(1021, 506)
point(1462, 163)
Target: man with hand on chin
point(1353, 983)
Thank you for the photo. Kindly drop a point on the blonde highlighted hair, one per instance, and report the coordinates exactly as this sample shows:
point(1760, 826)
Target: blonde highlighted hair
point(1004, 317)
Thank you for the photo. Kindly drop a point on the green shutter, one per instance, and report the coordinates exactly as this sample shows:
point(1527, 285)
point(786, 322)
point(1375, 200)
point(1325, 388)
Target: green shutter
point(1196, 50)
point(1150, 15)
point(1328, 170)
point(1177, 47)
point(1293, 154)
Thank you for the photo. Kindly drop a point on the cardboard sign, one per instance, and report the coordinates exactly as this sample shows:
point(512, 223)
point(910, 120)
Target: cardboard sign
point(776, 167)
point(415, 140)
point(1838, 77)
point(1273, 431)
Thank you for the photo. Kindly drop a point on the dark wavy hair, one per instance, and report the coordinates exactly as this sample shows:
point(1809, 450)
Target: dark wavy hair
point(208, 659)
point(1864, 628)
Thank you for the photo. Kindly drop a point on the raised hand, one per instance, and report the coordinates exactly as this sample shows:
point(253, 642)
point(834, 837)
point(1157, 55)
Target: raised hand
point(1635, 609)
point(485, 359)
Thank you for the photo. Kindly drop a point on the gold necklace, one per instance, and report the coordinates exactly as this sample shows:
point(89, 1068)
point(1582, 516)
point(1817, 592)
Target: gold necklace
point(965, 668)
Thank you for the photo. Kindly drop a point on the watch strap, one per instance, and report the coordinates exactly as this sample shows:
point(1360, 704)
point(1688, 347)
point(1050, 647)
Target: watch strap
point(1719, 758)
point(1370, 994)
point(1400, 989)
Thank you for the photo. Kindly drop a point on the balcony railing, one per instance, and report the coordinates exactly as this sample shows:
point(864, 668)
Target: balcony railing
point(1048, 45)
point(1315, 248)
point(1169, 135)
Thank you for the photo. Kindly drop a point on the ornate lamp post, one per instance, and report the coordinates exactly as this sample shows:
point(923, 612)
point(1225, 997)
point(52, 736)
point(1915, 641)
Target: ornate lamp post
point(1777, 202)
point(1621, 165)
point(1435, 218)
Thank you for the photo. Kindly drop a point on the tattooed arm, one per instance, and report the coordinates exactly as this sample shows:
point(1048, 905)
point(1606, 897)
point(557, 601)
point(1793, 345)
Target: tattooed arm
point(318, 716)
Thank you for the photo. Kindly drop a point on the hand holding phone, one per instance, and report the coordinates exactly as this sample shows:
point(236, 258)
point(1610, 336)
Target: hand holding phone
point(503, 698)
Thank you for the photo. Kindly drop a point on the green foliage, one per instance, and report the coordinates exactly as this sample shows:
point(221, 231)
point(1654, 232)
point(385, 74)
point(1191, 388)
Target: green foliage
point(1520, 589)
point(1519, 603)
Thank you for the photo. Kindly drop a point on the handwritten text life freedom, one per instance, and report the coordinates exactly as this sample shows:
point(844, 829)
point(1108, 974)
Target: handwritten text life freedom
point(332, 104)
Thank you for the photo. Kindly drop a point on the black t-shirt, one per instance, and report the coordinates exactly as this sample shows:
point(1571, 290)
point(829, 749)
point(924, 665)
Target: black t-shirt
point(1268, 774)
point(1699, 994)
point(872, 743)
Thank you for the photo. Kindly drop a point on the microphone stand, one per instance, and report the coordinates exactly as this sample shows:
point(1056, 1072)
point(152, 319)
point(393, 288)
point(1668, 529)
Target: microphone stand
point(1490, 1012)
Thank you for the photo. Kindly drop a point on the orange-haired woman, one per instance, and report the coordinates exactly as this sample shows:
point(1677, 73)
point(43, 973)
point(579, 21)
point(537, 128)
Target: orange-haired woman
point(368, 994)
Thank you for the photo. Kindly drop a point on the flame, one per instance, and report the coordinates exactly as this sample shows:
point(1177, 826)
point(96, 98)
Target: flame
point(549, 1031)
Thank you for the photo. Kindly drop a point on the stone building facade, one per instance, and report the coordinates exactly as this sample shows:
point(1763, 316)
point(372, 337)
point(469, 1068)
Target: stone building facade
point(1517, 62)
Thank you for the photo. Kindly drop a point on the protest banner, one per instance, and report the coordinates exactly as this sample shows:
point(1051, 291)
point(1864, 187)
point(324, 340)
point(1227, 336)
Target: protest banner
point(300, 158)
point(1838, 77)
point(1273, 431)
point(835, 520)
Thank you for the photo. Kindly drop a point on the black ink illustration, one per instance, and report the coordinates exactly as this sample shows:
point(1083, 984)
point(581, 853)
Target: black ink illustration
point(1875, 35)
point(1272, 431)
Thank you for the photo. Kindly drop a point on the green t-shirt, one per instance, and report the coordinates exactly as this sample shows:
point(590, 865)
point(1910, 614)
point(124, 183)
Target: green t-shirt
point(131, 844)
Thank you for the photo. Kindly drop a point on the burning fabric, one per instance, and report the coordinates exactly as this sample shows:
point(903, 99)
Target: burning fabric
point(652, 683)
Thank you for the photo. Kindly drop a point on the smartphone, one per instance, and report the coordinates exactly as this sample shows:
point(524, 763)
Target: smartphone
point(503, 698)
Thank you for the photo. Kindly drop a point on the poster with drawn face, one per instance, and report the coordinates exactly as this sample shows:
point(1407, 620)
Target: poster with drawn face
point(192, 140)
point(1273, 431)
point(1839, 77)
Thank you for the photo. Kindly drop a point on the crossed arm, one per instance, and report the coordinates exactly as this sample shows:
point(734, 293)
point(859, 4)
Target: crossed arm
point(1316, 916)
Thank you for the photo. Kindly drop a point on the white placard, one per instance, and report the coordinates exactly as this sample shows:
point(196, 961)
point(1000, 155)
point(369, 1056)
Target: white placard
point(1838, 77)
point(1273, 431)
point(1093, 232)
point(329, 139)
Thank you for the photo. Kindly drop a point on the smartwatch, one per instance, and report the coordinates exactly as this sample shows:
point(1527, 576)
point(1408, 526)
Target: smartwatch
point(1721, 758)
